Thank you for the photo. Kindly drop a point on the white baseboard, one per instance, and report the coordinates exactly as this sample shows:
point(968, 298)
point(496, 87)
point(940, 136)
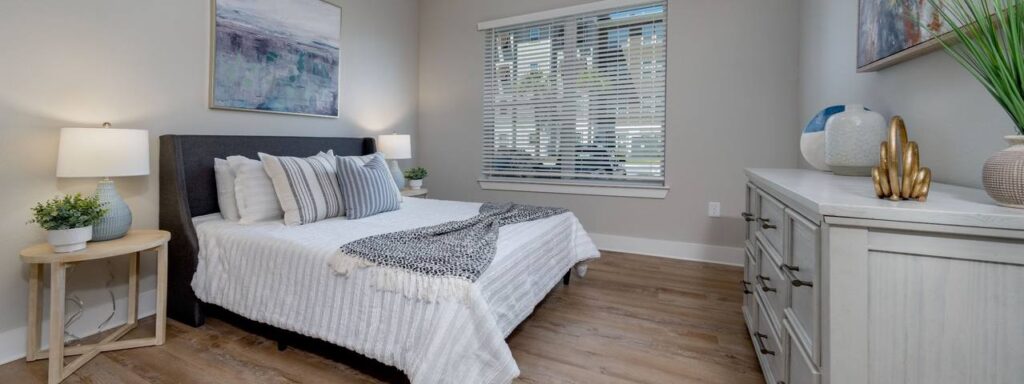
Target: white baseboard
point(670, 249)
point(12, 342)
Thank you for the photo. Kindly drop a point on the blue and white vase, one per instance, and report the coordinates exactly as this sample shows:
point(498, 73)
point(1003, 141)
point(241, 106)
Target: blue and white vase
point(852, 140)
point(812, 141)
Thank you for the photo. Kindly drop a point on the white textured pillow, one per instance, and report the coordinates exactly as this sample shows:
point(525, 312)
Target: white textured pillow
point(225, 189)
point(254, 191)
point(307, 188)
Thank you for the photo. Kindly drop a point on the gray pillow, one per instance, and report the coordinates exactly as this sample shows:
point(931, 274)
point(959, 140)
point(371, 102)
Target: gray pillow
point(367, 186)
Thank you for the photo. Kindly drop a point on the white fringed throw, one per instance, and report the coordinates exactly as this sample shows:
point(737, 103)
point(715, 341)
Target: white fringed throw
point(436, 262)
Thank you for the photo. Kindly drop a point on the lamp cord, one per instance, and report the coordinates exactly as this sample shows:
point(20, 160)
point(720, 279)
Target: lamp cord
point(80, 306)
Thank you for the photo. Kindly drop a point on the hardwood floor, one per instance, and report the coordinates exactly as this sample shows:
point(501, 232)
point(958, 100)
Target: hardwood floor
point(633, 319)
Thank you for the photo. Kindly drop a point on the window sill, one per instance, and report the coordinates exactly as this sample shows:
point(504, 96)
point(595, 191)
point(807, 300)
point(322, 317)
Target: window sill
point(647, 192)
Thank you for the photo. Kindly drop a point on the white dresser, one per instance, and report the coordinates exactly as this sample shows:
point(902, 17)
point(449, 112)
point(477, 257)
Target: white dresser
point(841, 287)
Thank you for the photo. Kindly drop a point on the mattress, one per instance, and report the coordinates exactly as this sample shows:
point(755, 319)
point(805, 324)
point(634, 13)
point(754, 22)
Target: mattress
point(278, 275)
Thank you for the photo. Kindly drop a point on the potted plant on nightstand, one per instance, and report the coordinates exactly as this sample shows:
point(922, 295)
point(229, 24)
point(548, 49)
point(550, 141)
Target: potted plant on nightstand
point(992, 33)
point(415, 177)
point(68, 220)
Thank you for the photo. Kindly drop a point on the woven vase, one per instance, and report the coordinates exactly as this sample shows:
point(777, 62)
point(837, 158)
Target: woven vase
point(1003, 175)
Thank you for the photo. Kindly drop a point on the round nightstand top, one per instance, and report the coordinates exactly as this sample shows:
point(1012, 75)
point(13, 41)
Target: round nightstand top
point(134, 241)
point(414, 192)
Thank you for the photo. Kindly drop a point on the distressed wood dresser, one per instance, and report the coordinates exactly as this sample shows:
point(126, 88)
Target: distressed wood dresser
point(841, 287)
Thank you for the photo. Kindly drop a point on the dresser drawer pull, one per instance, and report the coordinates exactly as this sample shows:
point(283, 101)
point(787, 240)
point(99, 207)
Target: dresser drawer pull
point(801, 283)
point(760, 344)
point(746, 290)
point(791, 268)
point(747, 216)
point(765, 223)
point(764, 286)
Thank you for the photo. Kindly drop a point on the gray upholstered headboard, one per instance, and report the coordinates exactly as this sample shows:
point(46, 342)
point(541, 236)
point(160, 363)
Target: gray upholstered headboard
point(188, 189)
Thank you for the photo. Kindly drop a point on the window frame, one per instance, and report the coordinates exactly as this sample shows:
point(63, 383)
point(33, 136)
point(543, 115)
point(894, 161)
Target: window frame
point(583, 186)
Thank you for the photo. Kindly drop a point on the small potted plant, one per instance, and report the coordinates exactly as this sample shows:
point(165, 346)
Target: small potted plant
point(68, 220)
point(415, 177)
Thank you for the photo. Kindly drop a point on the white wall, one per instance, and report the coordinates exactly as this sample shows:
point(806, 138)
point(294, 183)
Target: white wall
point(732, 90)
point(144, 64)
point(957, 124)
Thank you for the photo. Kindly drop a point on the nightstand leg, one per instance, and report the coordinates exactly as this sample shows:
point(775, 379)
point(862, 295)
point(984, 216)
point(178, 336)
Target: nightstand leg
point(161, 294)
point(133, 288)
point(35, 311)
point(57, 275)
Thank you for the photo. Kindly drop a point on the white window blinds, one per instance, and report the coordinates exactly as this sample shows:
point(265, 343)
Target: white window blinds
point(577, 99)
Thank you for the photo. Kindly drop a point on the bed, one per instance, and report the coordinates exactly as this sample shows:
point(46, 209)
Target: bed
point(278, 275)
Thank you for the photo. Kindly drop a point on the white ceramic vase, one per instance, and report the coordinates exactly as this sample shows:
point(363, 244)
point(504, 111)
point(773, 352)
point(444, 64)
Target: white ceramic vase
point(852, 140)
point(69, 240)
point(416, 184)
point(1003, 175)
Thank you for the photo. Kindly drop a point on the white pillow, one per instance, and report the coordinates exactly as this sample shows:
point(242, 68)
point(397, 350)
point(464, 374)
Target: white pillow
point(225, 189)
point(254, 191)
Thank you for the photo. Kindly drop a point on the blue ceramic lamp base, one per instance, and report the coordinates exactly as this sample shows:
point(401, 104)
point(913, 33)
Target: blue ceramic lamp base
point(396, 173)
point(117, 221)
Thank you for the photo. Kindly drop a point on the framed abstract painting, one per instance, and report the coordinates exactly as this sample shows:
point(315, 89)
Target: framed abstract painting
point(279, 56)
point(893, 31)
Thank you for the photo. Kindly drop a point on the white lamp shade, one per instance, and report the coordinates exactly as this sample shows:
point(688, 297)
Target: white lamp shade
point(395, 147)
point(103, 152)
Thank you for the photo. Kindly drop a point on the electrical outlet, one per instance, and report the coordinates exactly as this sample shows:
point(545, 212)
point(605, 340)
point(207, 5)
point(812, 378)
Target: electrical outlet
point(715, 209)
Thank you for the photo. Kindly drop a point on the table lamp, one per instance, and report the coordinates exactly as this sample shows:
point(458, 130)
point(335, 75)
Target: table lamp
point(105, 152)
point(395, 147)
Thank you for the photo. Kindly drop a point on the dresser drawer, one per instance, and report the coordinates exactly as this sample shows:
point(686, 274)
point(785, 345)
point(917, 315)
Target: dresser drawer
point(770, 215)
point(769, 350)
point(750, 307)
point(750, 216)
point(801, 369)
point(772, 285)
point(802, 270)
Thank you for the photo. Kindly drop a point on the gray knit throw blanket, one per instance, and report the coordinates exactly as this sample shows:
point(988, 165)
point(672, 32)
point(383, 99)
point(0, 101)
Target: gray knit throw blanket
point(440, 261)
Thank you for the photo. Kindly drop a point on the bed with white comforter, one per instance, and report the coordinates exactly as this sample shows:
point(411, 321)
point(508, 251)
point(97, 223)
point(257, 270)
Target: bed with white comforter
point(279, 275)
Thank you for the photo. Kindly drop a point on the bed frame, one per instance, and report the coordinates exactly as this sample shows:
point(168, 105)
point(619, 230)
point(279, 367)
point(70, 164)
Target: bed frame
point(188, 189)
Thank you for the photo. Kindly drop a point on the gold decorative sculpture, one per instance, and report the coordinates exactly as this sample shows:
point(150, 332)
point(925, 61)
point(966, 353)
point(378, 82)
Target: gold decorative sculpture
point(916, 179)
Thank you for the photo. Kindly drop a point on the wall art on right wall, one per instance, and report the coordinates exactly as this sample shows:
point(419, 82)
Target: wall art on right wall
point(891, 32)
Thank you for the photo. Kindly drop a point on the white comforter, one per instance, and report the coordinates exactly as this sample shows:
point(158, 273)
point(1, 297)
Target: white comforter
point(279, 275)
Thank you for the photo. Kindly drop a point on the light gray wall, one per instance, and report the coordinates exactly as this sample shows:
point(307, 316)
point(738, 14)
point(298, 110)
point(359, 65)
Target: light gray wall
point(732, 89)
point(144, 64)
point(957, 124)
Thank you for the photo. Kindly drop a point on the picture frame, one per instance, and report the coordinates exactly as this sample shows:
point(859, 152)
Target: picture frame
point(276, 56)
point(889, 33)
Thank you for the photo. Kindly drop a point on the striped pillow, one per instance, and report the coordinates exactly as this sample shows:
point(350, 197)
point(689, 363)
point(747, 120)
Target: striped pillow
point(367, 186)
point(306, 187)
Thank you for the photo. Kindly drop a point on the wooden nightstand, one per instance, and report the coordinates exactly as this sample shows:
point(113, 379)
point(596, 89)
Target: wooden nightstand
point(135, 242)
point(422, 192)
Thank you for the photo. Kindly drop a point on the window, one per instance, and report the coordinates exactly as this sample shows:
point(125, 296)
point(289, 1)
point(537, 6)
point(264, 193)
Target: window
point(577, 100)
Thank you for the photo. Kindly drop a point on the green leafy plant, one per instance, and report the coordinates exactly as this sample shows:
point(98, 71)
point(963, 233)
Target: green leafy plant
point(417, 173)
point(992, 49)
point(68, 212)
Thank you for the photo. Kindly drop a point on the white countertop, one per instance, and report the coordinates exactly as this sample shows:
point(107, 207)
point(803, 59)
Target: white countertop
point(854, 197)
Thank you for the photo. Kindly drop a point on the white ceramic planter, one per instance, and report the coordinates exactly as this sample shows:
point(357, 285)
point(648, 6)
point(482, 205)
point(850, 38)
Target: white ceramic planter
point(69, 240)
point(415, 184)
point(852, 138)
point(1003, 175)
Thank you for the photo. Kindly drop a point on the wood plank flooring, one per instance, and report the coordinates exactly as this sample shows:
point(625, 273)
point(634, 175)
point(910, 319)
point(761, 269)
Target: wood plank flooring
point(633, 319)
